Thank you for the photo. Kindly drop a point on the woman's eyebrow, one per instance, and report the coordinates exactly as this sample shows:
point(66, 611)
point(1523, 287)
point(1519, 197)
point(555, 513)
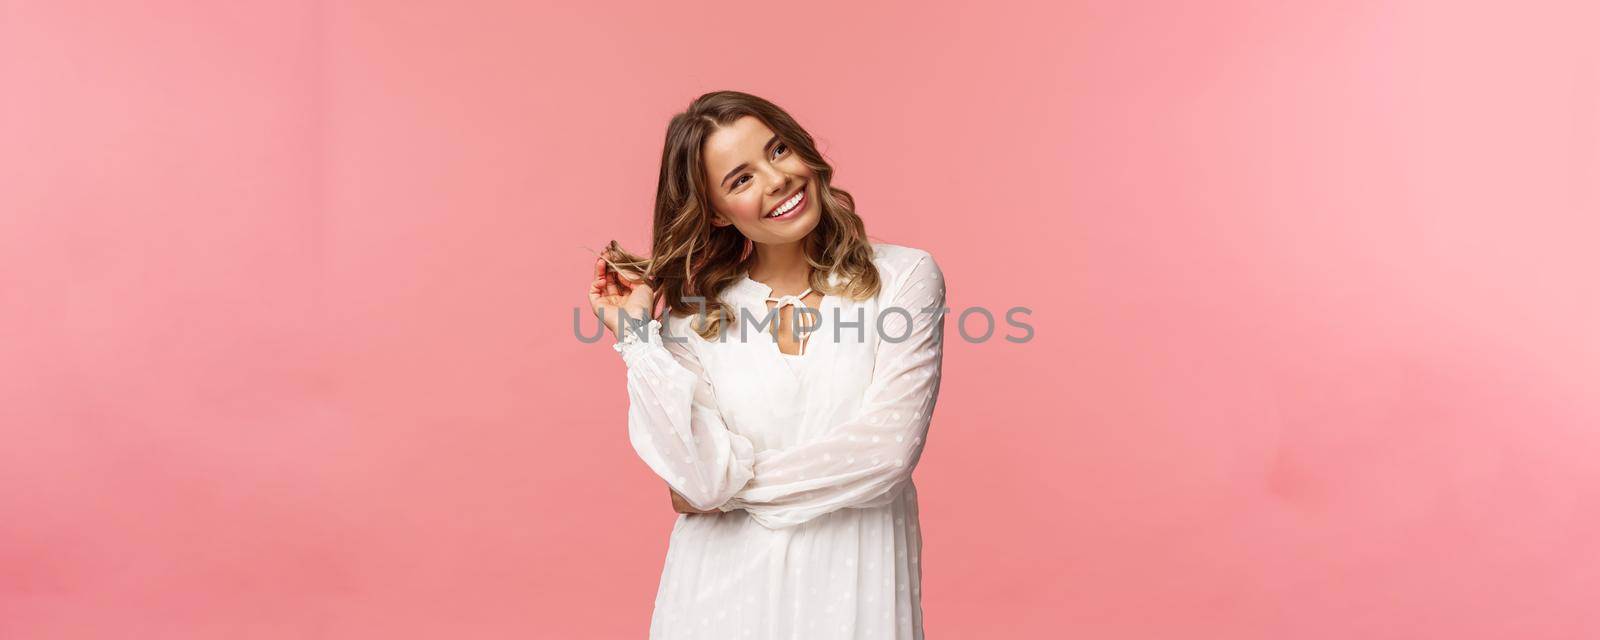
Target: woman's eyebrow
point(764, 148)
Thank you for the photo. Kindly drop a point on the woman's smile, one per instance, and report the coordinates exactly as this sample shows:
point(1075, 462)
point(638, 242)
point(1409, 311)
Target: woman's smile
point(790, 207)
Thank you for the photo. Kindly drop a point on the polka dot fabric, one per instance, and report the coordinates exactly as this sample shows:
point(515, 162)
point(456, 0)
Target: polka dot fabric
point(807, 461)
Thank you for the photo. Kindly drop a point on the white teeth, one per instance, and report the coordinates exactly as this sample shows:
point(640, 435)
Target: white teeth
point(787, 205)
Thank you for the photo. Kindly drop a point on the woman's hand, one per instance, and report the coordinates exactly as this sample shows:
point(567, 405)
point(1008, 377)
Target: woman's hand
point(611, 295)
point(682, 506)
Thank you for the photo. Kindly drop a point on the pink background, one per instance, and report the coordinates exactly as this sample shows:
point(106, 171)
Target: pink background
point(286, 343)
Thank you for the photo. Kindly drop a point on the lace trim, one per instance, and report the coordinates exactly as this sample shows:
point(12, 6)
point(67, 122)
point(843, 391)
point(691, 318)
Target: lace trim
point(635, 334)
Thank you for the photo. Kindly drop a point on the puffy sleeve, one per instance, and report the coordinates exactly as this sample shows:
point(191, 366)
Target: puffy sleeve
point(865, 460)
point(673, 421)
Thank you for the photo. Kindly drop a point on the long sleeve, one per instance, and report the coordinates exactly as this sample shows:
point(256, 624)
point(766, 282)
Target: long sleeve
point(673, 421)
point(862, 461)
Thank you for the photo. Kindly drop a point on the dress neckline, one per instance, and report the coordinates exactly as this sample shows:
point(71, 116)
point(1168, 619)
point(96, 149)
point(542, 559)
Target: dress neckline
point(757, 293)
point(748, 288)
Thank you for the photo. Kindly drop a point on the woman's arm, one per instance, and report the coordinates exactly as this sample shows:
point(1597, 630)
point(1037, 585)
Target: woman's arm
point(673, 421)
point(682, 506)
point(861, 461)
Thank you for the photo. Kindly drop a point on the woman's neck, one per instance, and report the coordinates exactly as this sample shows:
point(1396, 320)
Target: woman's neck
point(782, 267)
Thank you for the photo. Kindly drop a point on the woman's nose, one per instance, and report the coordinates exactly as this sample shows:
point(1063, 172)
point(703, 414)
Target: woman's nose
point(777, 180)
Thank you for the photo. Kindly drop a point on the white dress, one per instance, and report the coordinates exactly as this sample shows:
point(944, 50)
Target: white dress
point(807, 459)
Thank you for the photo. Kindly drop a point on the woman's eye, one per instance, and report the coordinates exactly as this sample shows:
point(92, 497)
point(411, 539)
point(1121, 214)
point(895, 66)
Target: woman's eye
point(740, 180)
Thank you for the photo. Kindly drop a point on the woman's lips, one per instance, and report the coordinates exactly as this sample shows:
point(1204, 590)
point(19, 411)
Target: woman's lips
point(804, 198)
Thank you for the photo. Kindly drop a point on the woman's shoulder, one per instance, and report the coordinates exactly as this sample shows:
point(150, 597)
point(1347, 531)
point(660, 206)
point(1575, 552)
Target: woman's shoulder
point(683, 327)
point(895, 262)
point(884, 253)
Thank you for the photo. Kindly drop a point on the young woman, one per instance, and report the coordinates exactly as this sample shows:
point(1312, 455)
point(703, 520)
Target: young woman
point(785, 394)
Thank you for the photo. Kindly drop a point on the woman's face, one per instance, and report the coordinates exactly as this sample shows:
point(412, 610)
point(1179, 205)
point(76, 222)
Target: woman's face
point(752, 174)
